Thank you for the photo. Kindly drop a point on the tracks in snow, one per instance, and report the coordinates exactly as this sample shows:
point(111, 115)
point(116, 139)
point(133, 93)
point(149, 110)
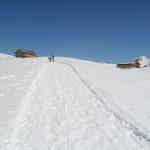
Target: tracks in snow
point(62, 111)
point(124, 122)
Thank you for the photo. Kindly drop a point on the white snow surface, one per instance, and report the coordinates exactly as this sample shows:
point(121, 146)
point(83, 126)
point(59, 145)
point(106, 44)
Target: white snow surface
point(73, 104)
point(5, 56)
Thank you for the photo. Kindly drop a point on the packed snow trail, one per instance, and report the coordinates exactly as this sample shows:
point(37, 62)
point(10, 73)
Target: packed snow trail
point(61, 113)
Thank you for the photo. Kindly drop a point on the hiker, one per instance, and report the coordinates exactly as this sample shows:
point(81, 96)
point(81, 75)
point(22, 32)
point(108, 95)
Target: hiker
point(53, 58)
point(50, 59)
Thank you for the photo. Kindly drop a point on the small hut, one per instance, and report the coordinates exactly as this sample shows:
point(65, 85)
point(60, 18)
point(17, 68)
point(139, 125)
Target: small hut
point(129, 65)
point(25, 53)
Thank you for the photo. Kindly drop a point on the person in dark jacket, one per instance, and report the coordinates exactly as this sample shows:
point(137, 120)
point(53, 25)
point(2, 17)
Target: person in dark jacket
point(50, 59)
point(53, 58)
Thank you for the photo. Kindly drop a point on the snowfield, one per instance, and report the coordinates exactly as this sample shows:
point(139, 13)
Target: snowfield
point(73, 104)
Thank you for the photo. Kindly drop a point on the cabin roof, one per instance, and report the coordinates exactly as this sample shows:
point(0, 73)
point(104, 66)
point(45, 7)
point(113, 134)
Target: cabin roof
point(129, 63)
point(25, 51)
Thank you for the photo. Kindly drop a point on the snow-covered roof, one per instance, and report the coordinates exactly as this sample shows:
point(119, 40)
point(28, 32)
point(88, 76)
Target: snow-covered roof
point(143, 61)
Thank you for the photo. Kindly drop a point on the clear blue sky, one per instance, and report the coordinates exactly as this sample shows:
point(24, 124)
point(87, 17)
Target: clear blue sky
point(107, 30)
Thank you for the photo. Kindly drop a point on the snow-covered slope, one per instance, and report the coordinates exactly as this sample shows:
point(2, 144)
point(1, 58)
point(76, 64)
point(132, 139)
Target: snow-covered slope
point(143, 61)
point(5, 56)
point(73, 104)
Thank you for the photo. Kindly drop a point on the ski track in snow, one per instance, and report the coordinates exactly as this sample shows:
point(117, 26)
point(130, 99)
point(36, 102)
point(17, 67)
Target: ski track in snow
point(62, 112)
point(124, 122)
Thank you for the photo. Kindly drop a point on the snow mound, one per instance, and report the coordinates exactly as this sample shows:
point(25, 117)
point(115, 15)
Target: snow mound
point(143, 61)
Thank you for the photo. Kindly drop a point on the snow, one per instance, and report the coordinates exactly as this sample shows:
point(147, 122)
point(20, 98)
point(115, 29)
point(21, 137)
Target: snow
point(5, 56)
point(73, 104)
point(143, 61)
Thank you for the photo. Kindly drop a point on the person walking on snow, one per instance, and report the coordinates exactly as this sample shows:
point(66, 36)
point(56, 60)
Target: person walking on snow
point(53, 58)
point(50, 59)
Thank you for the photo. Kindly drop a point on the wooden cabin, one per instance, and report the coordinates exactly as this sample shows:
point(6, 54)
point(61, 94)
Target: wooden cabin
point(129, 65)
point(25, 53)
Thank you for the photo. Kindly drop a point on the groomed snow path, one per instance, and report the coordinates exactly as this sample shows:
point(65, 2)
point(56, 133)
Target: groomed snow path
point(61, 113)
